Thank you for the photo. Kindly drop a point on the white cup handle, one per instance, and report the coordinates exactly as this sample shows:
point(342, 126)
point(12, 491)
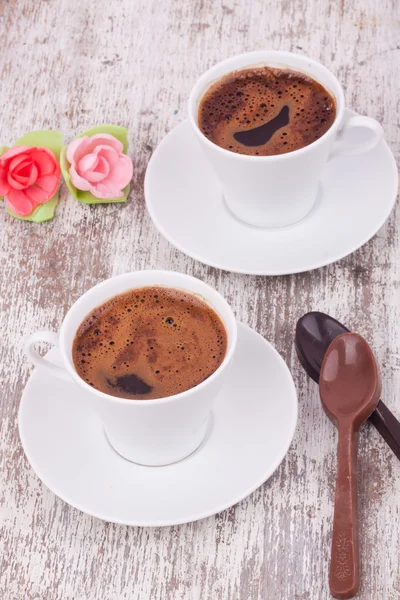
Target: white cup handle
point(41, 362)
point(343, 147)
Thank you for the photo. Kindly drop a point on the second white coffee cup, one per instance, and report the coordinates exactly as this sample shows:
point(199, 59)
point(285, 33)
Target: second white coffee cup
point(274, 191)
point(149, 432)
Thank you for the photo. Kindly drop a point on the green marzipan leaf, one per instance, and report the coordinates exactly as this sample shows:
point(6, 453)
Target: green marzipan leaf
point(121, 133)
point(88, 198)
point(43, 212)
point(64, 165)
point(46, 138)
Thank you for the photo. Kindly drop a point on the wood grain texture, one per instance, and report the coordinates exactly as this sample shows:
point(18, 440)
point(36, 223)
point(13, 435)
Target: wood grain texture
point(71, 64)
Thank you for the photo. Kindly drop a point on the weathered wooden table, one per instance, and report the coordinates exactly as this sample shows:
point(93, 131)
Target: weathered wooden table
point(68, 65)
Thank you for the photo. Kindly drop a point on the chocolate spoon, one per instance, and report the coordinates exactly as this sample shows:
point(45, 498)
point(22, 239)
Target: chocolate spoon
point(314, 332)
point(350, 387)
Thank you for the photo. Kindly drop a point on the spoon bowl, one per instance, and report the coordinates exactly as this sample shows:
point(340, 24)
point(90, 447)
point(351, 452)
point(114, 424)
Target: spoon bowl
point(350, 383)
point(314, 332)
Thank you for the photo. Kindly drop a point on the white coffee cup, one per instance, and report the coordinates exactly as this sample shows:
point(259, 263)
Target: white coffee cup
point(275, 191)
point(149, 432)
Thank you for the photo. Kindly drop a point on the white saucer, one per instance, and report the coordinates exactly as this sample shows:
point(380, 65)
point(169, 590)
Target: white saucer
point(185, 202)
point(252, 426)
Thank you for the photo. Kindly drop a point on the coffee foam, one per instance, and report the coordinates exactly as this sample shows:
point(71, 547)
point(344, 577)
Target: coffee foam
point(244, 100)
point(156, 341)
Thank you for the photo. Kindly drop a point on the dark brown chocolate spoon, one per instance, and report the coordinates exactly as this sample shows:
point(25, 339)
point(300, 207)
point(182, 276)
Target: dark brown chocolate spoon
point(350, 387)
point(314, 332)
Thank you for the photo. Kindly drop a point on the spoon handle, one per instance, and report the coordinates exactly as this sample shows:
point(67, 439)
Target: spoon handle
point(344, 574)
point(388, 426)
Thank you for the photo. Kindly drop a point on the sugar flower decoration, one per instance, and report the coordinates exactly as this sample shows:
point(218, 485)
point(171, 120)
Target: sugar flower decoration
point(30, 175)
point(99, 166)
point(95, 166)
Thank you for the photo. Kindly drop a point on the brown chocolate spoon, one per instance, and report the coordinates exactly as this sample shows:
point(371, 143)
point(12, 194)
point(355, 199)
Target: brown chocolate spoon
point(350, 387)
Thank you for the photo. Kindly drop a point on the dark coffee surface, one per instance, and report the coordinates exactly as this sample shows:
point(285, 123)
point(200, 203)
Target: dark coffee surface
point(265, 111)
point(149, 343)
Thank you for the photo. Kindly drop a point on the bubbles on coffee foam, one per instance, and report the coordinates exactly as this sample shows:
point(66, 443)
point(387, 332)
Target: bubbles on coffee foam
point(248, 99)
point(123, 335)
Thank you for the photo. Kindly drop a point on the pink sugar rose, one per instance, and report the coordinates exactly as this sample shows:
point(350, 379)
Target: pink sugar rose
point(28, 177)
point(99, 166)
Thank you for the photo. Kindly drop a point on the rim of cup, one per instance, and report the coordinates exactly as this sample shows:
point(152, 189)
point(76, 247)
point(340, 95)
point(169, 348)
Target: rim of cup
point(203, 83)
point(229, 322)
